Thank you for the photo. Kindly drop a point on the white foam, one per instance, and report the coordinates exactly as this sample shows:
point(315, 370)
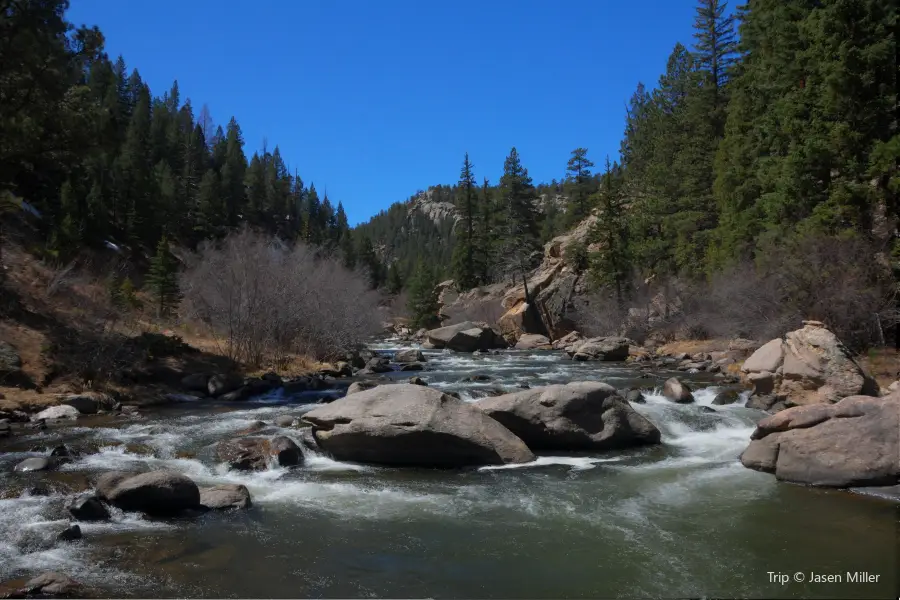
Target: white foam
point(578, 463)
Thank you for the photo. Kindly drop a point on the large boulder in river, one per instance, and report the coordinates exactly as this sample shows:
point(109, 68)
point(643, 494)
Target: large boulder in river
point(808, 366)
point(412, 425)
point(583, 415)
point(677, 391)
point(156, 492)
point(602, 348)
point(533, 341)
point(360, 386)
point(89, 403)
point(465, 337)
point(219, 385)
point(225, 497)
point(855, 442)
point(256, 453)
point(412, 355)
point(62, 411)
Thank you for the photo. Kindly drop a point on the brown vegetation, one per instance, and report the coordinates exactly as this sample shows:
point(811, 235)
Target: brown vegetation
point(264, 300)
point(837, 281)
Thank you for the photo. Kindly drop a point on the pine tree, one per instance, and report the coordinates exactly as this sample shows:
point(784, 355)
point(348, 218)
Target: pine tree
point(423, 297)
point(465, 253)
point(368, 261)
point(578, 185)
point(162, 279)
point(521, 228)
point(610, 265)
point(394, 281)
point(715, 52)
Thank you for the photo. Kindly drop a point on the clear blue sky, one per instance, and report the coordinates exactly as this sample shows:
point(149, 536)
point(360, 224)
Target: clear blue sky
point(375, 99)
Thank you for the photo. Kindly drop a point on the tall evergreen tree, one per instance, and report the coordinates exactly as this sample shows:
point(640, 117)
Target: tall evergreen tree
point(521, 230)
point(162, 279)
point(423, 297)
point(578, 186)
point(715, 52)
point(465, 254)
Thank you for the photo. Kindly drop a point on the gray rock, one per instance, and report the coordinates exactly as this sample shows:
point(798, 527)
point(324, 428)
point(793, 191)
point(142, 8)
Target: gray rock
point(286, 452)
point(465, 337)
point(761, 401)
point(411, 425)
point(635, 396)
point(223, 384)
point(156, 492)
point(411, 355)
point(602, 349)
point(855, 442)
point(70, 533)
point(533, 341)
point(88, 508)
point(726, 397)
point(583, 415)
point(37, 463)
point(677, 391)
point(61, 411)
point(285, 420)
point(360, 386)
point(379, 364)
point(50, 585)
point(89, 403)
point(417, 381)
point(412, 367)
point(225, 497)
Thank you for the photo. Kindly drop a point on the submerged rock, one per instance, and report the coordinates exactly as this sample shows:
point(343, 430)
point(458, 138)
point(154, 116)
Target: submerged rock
point(225, 497)
point(50, 585)
point(411, 425)
point(285, 420)
point(583, 415)
point(855, 442)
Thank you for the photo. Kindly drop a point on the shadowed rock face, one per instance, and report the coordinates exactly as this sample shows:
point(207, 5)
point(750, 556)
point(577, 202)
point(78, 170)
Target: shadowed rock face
point(809, 366)
point(855, 442)
point(412, 425)
point(156, 492)
point(575, 416)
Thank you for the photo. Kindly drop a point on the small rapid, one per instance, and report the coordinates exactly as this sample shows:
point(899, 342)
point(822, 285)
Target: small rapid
point(682, 518)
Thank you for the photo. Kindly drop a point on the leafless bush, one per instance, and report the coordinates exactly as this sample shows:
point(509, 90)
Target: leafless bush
point(61, 278)
point(836, 281)
point(266, 300)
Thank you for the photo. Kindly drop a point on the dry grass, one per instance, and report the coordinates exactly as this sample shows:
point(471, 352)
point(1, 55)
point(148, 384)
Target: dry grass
point(693, 347)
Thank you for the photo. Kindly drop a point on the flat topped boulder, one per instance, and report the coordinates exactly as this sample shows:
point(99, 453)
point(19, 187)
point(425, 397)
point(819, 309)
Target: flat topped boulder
point(809, 366)
point(465, 337)
point(855, 442)
point(583, 415)
point(533, 341)
point(602, 349)
point(413, 425)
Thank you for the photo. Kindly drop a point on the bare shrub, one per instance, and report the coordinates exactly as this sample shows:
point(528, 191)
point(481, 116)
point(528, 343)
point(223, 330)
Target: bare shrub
point(834, 280)
point(266, 300)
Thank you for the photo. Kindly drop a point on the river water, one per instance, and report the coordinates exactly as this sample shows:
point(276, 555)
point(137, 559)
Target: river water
point(683, 519)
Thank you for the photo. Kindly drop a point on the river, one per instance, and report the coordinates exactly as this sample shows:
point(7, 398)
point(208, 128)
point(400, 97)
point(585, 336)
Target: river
point(683, 519)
